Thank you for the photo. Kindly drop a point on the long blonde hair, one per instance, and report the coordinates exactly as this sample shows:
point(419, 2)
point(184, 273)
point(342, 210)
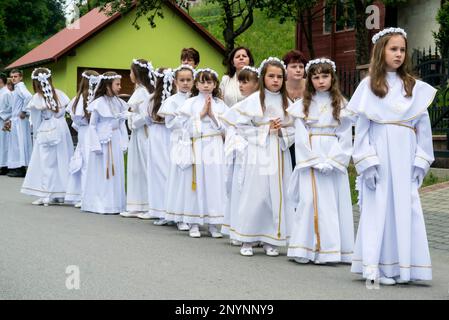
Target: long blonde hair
point(337, 97)
point(377, 69)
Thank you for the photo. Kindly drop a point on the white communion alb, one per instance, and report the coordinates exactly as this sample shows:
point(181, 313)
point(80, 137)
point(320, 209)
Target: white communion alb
point(393, 136)
point(47, 174)
point(20, 145)
point(104, 191)
point(137, 165)
point(158, 162)
point(78, 163)
point(263, 212)
point(323, 227)
point(6, 102)
point(204, 143)
point(179, 196)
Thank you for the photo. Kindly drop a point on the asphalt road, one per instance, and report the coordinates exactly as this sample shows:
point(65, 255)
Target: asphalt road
point(120, 258)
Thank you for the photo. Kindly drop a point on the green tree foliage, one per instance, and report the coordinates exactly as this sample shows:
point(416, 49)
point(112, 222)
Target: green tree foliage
point(237, 15)
point(442, 36)
point(25, 24)
point(303, 12)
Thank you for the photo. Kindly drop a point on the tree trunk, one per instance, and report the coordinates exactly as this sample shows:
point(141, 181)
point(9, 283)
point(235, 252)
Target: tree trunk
point(362, 39)
point(228, 31)
point(307, 30)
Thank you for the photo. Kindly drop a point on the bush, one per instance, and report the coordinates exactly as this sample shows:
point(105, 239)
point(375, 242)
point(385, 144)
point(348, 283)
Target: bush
point(442, 36)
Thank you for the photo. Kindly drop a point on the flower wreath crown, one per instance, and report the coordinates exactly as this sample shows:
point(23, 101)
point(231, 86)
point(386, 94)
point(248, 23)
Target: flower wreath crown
point(384, 32)
point(318, 61)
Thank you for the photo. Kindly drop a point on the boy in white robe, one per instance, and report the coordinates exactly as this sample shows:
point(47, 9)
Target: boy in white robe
point(20, 145)
point(5, 116)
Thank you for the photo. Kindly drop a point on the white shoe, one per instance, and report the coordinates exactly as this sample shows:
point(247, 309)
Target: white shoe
point(195, 231)
point(160, 222)
point(236, 242)
point(38, 202)
point(183, 226)
point(270, 251)
point(301, 260)
point(318, 262)
point(77, 205)
point(399, 281)
point(127, 214)
point(46, 202)
point(214, 233)
point(144, 216)
point(387, 281)
point(246, 250)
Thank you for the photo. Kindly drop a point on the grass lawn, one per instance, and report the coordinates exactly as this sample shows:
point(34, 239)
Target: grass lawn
point(430, 179)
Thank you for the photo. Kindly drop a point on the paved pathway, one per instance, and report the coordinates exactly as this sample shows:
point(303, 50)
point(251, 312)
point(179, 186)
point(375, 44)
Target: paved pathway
point(132, 259)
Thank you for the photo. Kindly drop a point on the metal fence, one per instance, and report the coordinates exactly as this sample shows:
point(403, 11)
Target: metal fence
point(428, 66)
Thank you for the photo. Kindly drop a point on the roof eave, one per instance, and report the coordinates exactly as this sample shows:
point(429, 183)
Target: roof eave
point(29, 65)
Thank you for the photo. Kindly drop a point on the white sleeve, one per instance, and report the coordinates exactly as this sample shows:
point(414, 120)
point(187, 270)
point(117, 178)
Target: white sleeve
point(424, 146)
point(93, 139)
point(340, 153)
point(304, 155)
point(364, 156)
point(24, 94)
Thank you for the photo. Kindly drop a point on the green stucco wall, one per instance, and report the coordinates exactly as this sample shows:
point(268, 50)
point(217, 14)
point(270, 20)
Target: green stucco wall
point(58, 71)
point(116, 45)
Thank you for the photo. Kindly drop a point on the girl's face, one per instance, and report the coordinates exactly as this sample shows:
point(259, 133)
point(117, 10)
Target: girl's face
point(273, 78)
point(395, 53)
point(248, 87)
point(115, 87)
point(206, 86)
point(322, 82)
point(184, 81)
point(295, 71)
point(240, 59)
point(132, 76)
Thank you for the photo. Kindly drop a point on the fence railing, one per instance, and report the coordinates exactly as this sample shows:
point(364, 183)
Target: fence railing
point(349, 80)
point(439, 113)
point(430, 67)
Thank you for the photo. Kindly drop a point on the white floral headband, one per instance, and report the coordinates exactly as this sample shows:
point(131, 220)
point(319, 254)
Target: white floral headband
point(183, 66)
point(93, 81)
point(318, 61)
point(252, 69)
point(269, 60)
point(103, 77)
point(380, 34)
point(149, 67)
point(45, 85)
point(168, 77)
point(197, 72)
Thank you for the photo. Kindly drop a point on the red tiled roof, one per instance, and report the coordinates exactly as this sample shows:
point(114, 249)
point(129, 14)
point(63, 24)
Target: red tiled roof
point(89, 24)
